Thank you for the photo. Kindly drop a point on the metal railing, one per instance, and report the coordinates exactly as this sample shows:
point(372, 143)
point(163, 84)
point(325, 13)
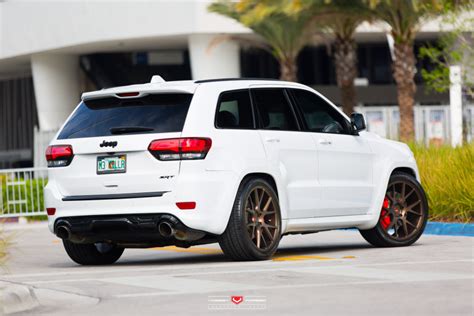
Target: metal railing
point(432, 123)
point(22, 192)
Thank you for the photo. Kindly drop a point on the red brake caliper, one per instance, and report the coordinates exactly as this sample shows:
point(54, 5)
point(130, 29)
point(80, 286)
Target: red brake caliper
point(384, 218)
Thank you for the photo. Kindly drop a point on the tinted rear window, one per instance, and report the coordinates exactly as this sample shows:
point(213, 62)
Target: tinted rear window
point(155, 113)
point(274, 110)
point(234, 110)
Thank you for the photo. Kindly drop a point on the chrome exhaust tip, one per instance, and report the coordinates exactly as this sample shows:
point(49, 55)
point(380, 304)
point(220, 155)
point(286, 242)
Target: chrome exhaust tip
point(166, 229)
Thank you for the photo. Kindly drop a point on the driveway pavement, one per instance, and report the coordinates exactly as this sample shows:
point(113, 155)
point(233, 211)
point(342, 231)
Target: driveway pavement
point(330, 273)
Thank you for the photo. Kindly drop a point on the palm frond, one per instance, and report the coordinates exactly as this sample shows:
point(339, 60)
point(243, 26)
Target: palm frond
point(405, 16)
point(286, 34)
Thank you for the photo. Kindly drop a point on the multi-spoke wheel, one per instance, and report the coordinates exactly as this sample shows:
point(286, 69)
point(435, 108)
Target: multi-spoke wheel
point(254, 227)
point(262, 218)
point(403, 215)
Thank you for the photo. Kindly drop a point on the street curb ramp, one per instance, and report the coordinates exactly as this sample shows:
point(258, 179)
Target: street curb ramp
point(15, 298)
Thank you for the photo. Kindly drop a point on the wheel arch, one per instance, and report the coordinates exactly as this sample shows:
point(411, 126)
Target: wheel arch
point(266, 176)
point(405, 170)
point(403, 167)
point(273, 180)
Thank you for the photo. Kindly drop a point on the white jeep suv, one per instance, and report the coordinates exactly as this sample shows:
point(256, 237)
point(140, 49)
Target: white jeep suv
point(235, 161)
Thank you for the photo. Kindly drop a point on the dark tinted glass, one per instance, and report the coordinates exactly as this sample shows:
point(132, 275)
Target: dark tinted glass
point(156, 113)
point(274, 110)
point(318, 115)
point(234, 110)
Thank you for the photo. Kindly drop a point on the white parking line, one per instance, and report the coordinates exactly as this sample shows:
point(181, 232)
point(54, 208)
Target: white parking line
point(279, 287)
point(176, 284)
point(270, 267)
point(385, 274)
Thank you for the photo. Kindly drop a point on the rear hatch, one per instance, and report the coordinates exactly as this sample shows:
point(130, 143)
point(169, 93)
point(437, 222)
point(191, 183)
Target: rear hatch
point(110, 137)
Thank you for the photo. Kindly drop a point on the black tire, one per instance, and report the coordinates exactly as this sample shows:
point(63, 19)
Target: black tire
point(89, 254)
point(396, 210)
point(237, 242)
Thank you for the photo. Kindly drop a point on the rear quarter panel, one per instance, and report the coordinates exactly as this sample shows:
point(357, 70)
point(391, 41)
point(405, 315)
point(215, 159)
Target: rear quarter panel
point(234, 154)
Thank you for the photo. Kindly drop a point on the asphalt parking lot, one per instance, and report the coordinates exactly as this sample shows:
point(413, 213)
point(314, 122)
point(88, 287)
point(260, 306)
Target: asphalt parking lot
point(330, 273)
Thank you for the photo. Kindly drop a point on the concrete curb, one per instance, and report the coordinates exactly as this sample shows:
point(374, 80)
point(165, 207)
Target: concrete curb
point(15, 298)
point(444, 229)
point(449, 229)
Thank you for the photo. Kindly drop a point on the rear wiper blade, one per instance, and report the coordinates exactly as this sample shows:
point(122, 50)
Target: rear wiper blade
point(129, 129)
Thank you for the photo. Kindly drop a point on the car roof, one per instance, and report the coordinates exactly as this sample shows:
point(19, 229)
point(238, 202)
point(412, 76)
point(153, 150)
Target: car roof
point(186, 86)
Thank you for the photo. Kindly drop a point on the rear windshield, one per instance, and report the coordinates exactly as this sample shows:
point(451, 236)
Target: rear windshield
point(155, 113)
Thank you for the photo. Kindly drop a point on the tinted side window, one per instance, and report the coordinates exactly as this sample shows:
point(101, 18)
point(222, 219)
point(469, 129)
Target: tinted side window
point(274, 110)
point(234, 110)
point(318, 115)
point(155, 113)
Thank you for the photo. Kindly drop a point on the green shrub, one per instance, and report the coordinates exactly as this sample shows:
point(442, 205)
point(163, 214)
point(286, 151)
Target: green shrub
point(447, 175)
point(32, 192)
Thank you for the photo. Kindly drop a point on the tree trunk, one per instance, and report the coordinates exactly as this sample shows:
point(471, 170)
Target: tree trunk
point(345, 58)
point(288, 69)
point(404, 75)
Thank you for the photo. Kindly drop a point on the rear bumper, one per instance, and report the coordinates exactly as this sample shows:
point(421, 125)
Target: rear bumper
point(214, 194)
point(132, 230)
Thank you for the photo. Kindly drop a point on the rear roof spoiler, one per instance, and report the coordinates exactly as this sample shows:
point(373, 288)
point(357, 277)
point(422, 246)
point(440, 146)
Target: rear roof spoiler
point(140, 90)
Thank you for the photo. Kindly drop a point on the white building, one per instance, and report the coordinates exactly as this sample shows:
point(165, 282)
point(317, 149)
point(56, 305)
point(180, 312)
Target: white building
point(51, 51)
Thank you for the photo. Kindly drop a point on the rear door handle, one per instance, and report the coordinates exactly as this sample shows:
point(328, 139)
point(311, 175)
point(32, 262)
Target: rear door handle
point(272, 140)
point(325, 142)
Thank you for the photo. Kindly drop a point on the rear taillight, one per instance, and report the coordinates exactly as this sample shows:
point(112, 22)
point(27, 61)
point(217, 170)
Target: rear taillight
point(180, 148)
point(59, 155)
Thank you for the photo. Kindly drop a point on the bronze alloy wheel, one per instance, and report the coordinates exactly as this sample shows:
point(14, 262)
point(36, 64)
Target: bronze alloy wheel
point(254, 228)
point(402, 214)
point(262, 218)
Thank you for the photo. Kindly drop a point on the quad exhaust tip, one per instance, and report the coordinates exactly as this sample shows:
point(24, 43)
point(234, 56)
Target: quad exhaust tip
point(166, 229)
point(63, 232)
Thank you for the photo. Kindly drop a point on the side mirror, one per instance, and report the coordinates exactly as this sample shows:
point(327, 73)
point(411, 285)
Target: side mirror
point(358, 122)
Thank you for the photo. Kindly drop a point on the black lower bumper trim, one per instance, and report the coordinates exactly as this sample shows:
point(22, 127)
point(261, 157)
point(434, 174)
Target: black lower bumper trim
point(126, 229)
point(113, 196)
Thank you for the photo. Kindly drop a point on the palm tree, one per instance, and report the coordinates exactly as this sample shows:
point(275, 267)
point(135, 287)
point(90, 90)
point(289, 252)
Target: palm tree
point(345, 60)
point(404, 17)
point(288, 25)
point(339, 18)
point(350, 14)
point(284, 34)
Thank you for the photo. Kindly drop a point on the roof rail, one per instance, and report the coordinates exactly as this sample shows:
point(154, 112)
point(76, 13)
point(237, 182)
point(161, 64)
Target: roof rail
point(234, 79)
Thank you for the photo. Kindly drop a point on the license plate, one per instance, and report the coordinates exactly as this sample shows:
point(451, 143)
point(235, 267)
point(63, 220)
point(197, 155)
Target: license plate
point(111, 164)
